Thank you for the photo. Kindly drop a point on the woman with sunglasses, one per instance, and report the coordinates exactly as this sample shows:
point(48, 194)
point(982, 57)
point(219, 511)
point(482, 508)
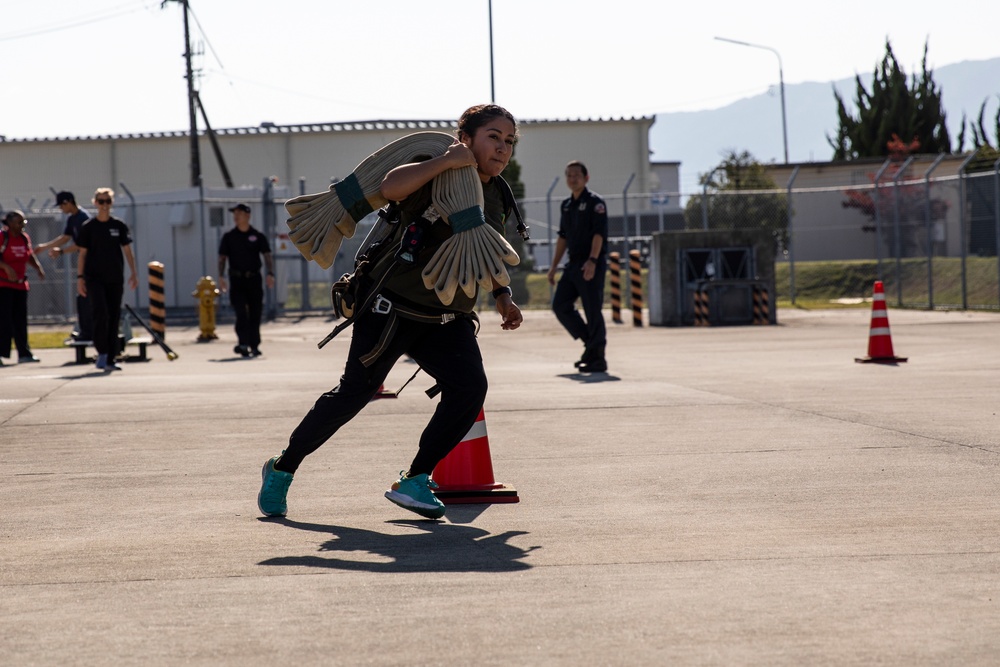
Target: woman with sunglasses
point(104, 241)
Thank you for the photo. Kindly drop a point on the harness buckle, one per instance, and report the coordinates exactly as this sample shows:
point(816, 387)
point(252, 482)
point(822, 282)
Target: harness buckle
point(447, 317)
point(382, 305)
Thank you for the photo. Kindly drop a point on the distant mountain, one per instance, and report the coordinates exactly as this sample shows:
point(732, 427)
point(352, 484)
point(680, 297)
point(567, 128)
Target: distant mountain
point(698, 139)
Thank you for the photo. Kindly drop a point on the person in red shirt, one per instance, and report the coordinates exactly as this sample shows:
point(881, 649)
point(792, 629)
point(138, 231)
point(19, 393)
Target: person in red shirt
point(16, 254)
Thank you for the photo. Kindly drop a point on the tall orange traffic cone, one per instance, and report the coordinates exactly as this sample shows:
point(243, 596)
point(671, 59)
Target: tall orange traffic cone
point(879, 337)
point(466, 474)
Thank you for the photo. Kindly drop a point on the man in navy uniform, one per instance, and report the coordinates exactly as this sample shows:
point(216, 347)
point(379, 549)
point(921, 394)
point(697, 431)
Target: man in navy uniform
point(583, 233)
point(243, 247)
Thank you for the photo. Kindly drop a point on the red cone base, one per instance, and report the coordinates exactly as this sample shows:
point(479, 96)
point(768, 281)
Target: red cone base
point(382, 393)
point(466, 474)
point(879, 336)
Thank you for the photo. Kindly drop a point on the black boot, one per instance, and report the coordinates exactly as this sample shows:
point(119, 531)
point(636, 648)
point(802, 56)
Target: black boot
point(585, 358)
point(593, 361)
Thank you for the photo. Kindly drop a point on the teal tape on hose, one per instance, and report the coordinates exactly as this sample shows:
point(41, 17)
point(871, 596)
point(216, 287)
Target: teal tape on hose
point(352, 198)
point(466, 219)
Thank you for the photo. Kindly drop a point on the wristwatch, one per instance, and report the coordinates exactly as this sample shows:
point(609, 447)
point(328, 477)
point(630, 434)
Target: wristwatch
point(592, 259)
point(502, 290)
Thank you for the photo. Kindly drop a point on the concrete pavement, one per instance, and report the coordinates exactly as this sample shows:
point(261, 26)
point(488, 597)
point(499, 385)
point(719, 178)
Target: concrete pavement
point(744, 495)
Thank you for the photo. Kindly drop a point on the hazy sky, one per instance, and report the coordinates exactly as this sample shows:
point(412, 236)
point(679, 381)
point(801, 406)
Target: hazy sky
point(91, 67)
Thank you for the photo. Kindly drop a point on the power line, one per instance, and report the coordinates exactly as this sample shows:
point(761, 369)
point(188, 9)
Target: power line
point(82, 20)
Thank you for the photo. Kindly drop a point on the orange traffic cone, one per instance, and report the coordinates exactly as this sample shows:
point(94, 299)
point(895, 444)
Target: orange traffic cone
point(879, 337)
point(466, 474)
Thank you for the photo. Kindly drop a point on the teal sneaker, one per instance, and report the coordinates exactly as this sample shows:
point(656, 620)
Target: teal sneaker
point(273, 489)
point(414, 494)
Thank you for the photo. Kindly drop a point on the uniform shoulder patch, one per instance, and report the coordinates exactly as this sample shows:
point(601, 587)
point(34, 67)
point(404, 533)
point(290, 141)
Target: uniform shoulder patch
point(600, 208)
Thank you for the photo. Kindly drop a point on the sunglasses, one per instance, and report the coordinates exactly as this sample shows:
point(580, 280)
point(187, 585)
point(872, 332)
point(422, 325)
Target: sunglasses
point(103, 201)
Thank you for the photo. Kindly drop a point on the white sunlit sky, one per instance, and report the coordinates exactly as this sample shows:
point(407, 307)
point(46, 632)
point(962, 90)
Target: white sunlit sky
point(92, 67)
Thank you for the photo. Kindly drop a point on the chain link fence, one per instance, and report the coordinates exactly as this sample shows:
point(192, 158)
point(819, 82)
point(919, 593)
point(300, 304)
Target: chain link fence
point(933, 242)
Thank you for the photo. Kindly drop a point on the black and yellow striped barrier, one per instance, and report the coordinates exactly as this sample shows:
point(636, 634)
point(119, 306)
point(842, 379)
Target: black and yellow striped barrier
point(635, 277)
point(157, 302)
point(701, 314)
point(615, 269)
point(761, 305)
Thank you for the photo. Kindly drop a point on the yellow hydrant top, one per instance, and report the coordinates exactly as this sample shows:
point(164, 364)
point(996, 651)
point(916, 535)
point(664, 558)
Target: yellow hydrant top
point(206, 287)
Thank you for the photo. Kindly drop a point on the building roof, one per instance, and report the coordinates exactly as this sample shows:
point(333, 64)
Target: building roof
point(302, 128)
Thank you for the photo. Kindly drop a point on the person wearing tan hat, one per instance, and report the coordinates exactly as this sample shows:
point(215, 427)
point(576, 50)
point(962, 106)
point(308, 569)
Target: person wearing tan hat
point(15, 255)
point(242, 247)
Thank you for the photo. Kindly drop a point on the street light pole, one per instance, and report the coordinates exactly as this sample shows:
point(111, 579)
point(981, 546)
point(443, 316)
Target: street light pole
point(781, 80)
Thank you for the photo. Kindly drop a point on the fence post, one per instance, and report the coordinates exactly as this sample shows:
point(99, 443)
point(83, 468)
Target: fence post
point(548, 224)
point(791, 245)
point(628, 183)
point(134, 227)
point(996, 215)
point(304, 263)
point(267, 199)
point(930, 241)
point(878, 221)
point(962, 203)
point(898, 229)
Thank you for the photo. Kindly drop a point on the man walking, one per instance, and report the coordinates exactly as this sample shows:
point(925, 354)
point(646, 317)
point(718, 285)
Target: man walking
point(583, 233)
point(243, 247)
point(76, 216)
point(105, 245)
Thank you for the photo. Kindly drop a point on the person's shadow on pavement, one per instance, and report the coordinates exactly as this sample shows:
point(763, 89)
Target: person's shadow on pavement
point(590, 378)
point(438, 547)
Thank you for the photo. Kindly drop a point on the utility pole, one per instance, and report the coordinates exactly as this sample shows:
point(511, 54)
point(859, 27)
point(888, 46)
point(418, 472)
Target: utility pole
point(192, 97)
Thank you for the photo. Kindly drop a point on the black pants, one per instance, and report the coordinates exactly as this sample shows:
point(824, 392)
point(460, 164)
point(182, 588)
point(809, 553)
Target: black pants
point(246, 294)
point(84, 319)
point(572, 286)
point(448, 353)
point(14, 322)
point(106, 308)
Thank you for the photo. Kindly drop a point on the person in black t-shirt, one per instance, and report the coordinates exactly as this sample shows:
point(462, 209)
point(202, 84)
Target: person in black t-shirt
point(243, 247)
point(583, 233)
point(104, 241)
point(57, 246)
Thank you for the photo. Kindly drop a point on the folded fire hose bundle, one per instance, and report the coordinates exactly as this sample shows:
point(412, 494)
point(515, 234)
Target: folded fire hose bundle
point(475, 253)
point(320, 222)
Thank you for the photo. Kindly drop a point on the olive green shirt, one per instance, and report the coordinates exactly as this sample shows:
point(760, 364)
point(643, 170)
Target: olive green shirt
point(407, 282)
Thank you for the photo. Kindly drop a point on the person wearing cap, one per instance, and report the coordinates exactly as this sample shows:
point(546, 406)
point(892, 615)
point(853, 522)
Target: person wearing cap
point(242, 247)
point(66, 203)
point(15, 255)
point(105, 244)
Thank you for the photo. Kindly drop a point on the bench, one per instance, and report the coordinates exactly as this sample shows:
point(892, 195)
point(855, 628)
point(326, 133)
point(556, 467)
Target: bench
point(82, 345)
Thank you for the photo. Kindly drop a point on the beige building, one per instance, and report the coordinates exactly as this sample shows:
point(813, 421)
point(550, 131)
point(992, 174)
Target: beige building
point(825, 225)
point(179, 226)
point(318, 153)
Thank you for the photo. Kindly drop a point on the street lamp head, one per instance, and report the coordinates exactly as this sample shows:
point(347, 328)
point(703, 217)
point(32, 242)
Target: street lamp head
point(781, 81)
